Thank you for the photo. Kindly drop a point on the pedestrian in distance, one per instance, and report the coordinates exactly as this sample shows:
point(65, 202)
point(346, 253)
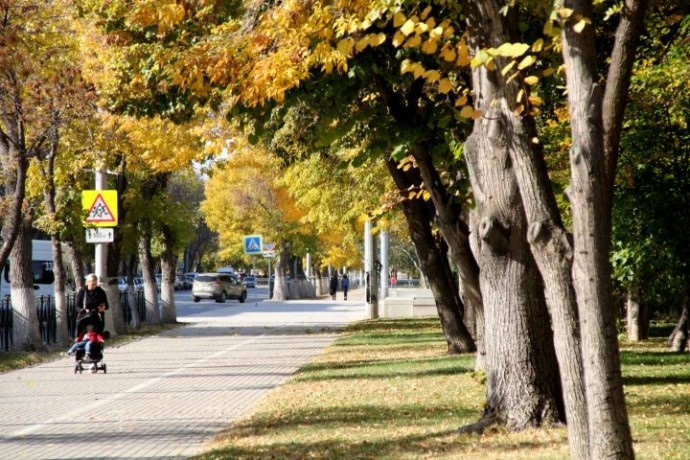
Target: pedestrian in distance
point(334, 285)
point(345, 284)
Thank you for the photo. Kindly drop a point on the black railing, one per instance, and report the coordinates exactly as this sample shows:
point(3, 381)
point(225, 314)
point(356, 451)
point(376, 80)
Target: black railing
point(5, 323)
point(47, 317)
point(127, 309)
point(47, 321)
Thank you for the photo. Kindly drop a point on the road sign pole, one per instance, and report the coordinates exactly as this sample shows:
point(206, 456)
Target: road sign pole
point(101, 256)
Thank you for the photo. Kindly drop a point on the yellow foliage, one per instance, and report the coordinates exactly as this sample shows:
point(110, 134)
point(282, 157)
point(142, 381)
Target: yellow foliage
point(407, 28)
point(398, 39)
point(526, 62)
point(429, 47)
point(532, 80)
point(413, 42)
point(445, 86)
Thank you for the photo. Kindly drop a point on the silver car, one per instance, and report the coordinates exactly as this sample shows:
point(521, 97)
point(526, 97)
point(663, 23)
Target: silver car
point(218, 286)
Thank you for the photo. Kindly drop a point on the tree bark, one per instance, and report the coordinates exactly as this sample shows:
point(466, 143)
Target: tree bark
point(26, 335)
point(455, 232)
point(517, 323)
point(637, 316)
point(130, 268)
point(617, 88)
point(148, 273)
point(501, 128)
point(48, 173)
point(114, 256)
point(609, 432)
point(14, 165)
point(434, 263)
point(678, 340)
point(168, 265)
point(77, 264)
point(280, 287)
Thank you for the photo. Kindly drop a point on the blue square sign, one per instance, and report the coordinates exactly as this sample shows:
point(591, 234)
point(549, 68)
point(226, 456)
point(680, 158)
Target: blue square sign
point(253, 244)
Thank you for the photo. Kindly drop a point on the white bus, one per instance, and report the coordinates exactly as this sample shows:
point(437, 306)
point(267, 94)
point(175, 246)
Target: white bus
point(41, 267)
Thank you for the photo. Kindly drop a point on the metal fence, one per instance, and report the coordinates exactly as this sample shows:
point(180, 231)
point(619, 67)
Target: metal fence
point(47, 316)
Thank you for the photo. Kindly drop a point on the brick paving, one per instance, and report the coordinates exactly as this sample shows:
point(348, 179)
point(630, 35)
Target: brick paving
point(164, 397)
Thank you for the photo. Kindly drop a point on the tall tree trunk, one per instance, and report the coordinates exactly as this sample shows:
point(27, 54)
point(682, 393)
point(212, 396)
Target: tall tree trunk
point(501, 128)
point(47, 171)
point(130, 269)
point(280, 287)
point(114, 257)
point(447, 296)
point(634, 315)
point(148, 273)
point(62, 315)
point(77, 263)
point(517, 325)
point(434, 263)
point(456, 233)
point(168, 265)
point(678, 340)
point(14, 164)
point(26, 335)
point(609, 432)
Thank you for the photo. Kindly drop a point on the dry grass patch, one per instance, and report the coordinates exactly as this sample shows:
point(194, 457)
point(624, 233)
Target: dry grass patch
point(387, 390)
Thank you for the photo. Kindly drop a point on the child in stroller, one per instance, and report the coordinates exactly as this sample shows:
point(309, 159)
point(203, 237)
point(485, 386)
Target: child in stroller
point(88, 346)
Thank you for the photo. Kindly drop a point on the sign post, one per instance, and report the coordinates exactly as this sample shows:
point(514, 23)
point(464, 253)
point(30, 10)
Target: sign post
point(101, 211)
point(253, 244)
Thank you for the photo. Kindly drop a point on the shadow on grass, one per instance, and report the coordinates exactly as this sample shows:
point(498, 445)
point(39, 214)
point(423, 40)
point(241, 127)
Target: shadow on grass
point(653, 358)
point(395, 324)
point(650, 407)
point(439, 443)
point(385, 369)
point(645, 380)
point(390, 338)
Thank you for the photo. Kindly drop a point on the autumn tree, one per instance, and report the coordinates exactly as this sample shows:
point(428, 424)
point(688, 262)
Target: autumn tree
point(38, 87)
point(244, 196)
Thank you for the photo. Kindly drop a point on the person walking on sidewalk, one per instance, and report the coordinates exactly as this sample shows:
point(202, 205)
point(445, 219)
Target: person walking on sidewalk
point(334, 285)
point(345, 284)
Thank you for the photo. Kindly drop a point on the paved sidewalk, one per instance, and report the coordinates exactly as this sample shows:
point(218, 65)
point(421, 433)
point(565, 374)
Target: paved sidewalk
point(164, 397)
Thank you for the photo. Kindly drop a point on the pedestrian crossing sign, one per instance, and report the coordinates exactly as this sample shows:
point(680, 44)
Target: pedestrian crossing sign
point(253, 244)
point(100, 207)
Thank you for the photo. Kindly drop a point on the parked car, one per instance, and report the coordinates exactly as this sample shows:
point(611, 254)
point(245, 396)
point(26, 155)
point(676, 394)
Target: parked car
point(181, 281)
point(218, 286)
point(250, 281)
point(190, 278)
point(122, 284)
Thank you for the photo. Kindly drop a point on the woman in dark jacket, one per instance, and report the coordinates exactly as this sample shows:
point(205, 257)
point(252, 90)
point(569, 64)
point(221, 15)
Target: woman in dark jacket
point(92, 295)
point(334, 285)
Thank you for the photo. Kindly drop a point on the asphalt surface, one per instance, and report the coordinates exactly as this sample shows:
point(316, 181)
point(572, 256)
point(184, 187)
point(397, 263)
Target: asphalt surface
point(167, 396)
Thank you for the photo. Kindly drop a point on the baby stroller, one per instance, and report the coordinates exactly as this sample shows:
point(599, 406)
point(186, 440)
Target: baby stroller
point(95, 361)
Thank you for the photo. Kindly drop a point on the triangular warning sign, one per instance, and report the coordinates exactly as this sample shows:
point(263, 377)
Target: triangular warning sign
point(100, 212)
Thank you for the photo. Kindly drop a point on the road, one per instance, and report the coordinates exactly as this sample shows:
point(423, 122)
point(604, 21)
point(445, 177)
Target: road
point(165, 396)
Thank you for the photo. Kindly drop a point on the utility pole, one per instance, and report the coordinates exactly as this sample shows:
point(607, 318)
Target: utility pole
point(370, 276)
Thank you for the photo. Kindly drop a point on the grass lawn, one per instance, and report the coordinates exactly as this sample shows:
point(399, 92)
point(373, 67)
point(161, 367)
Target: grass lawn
point(386, 389)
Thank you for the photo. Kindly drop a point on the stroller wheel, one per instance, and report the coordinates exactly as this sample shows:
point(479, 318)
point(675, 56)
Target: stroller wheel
point(105, 369)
